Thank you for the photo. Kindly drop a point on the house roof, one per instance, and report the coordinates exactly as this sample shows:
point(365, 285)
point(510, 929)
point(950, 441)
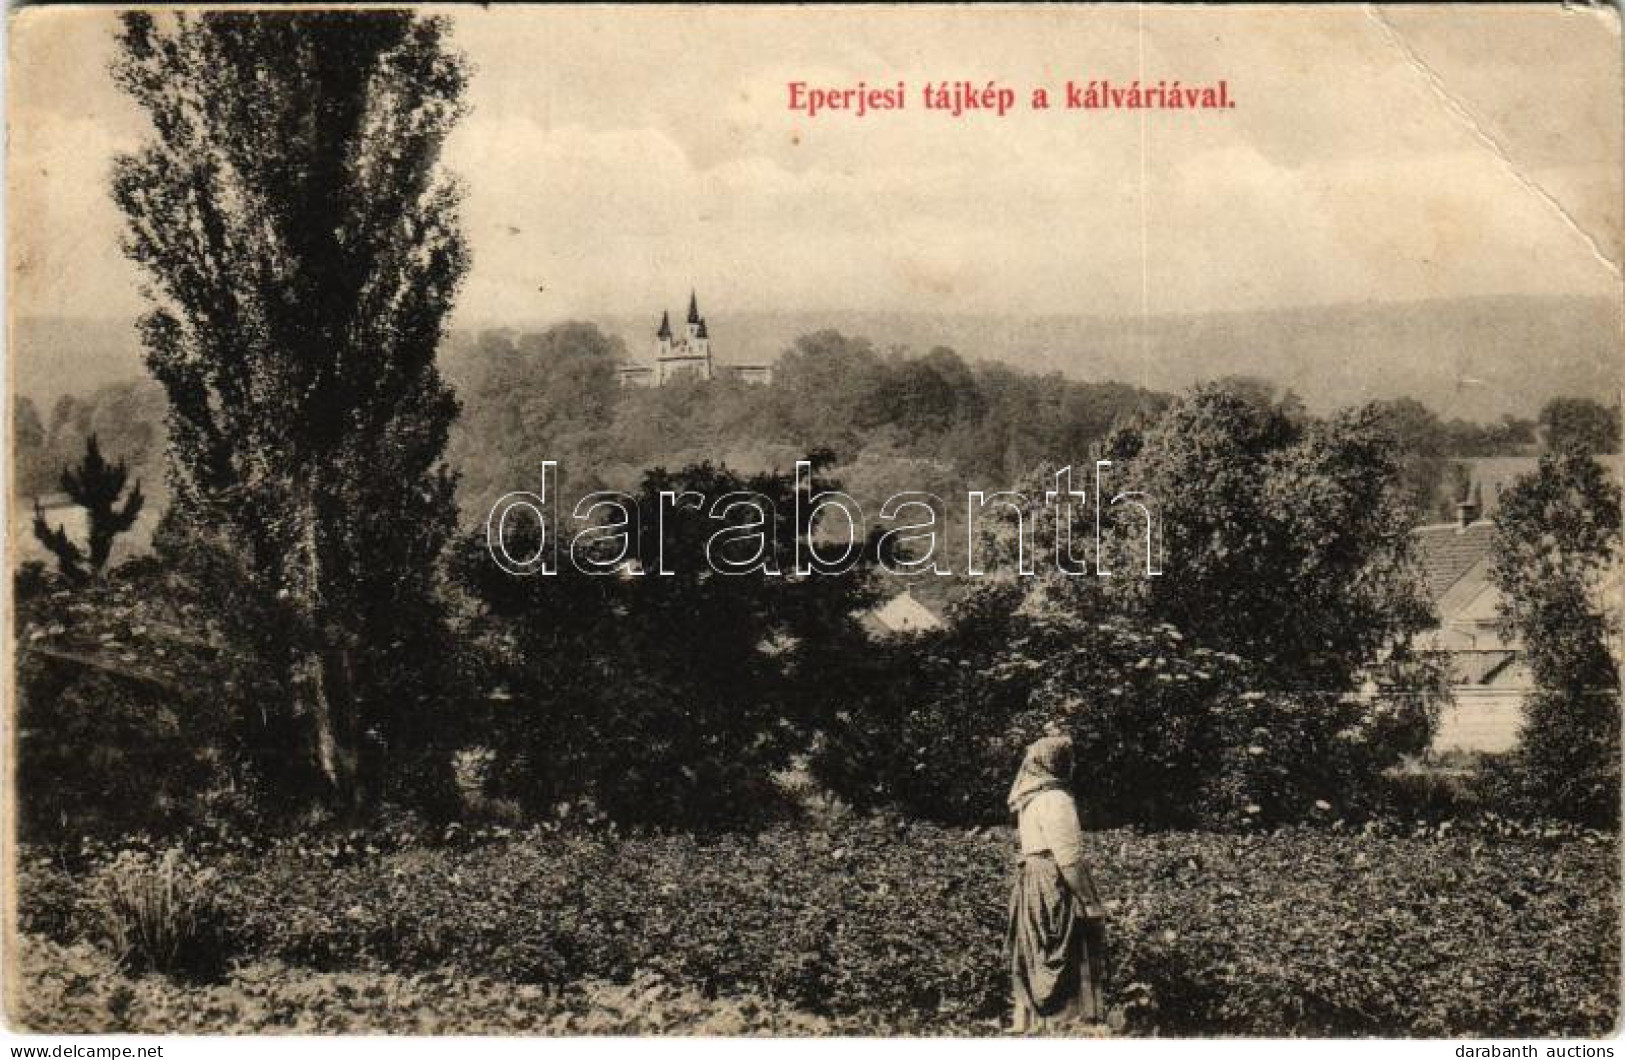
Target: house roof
point(1448, 551)
point(901, 614)
point(1492, 474)
point(1456, 566)
point(1472, 595)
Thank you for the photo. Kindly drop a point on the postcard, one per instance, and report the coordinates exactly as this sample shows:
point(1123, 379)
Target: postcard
point(946, 520)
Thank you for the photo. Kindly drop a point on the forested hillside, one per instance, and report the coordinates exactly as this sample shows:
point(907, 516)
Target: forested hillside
point(895, 419)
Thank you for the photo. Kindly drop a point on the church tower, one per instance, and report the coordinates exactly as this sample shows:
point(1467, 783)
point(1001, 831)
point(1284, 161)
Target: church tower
point(699, 340)
point(663, 337)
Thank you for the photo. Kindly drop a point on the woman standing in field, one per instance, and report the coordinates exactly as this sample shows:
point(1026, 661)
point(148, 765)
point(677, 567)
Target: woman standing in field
point(1057, 937)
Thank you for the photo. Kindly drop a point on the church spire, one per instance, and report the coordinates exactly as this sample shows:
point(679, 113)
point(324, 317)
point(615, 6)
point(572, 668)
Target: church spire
point(665, 325)
point(693, 307)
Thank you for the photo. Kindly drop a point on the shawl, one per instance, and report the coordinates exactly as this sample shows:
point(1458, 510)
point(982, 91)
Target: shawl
point(1047, 765)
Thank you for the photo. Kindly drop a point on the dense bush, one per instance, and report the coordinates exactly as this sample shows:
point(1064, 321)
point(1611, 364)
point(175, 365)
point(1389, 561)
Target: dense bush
point(133, 714)
point(1438, 793)
point(1283, 539)
point(1169, 733)
point(897, 925)
point(668, 697)
point(933, 733)
point(1172, 732)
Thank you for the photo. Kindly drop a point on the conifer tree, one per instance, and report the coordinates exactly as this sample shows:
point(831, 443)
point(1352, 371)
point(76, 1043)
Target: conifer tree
point(95, 485)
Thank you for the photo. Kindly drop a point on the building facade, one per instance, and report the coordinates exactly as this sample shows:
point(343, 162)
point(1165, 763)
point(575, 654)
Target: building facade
point(1488, 678)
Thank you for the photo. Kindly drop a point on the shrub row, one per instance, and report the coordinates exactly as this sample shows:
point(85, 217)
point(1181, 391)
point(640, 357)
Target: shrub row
point(901, 924)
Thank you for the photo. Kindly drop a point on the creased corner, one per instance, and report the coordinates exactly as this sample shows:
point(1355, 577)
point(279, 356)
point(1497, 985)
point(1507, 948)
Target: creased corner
point(1465, 115)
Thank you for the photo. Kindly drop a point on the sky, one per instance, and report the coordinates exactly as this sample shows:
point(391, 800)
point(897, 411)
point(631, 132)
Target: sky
point(618, 157)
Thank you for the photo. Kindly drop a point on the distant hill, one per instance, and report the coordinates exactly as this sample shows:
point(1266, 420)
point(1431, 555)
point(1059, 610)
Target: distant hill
point(1471, 358)
point(1474, 358)
point(53, 356)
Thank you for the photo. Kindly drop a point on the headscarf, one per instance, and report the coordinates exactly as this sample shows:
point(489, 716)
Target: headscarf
point(1047, 765)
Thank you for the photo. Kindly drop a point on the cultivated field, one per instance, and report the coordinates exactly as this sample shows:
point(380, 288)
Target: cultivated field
point(869, 924)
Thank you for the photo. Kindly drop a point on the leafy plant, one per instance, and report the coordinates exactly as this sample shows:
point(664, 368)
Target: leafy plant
point(158, 913)
point(1580, 423)
point(133, 719)
point(880, 924)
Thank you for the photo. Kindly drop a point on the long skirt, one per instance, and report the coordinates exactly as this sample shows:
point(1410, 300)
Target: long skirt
point(1057, 957)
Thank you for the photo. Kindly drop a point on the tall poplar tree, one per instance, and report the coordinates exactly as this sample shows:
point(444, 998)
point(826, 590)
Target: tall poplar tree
point(303, 249)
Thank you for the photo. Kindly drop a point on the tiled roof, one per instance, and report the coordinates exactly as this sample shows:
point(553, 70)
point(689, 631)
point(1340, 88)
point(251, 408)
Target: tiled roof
point(1448, 551)
point(1471, 597)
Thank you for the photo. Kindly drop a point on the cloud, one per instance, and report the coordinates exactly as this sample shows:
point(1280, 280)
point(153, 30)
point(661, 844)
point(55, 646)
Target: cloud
point(638, 151)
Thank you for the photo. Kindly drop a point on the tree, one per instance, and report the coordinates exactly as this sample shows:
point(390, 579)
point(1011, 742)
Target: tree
point(926, 395)
point(95, 485)
point(1557, 543)
point(1286, 542)
point(1264, 394)
point(303, 249)
point(1423, 454)
point(547, 396)
point(1580, 423)
point(670, 698)
point(1268, 665)
point(830, 382)
point(935, 730)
